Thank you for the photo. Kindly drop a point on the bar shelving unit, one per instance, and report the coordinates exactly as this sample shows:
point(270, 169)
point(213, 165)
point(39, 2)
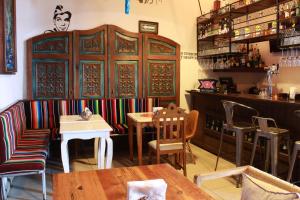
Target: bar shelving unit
point(246, 24)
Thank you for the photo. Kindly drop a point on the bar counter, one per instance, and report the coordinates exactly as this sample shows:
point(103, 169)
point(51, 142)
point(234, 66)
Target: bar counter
point(212, 115)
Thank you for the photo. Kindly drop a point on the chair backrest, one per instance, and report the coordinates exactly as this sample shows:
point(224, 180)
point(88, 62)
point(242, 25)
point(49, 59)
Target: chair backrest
point(229, 110)
point(263, 123)
point(169, 123)
point(191, 124)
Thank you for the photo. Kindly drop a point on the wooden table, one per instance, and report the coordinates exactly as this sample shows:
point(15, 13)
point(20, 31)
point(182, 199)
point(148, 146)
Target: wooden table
point(112, 183)
point(73, 127)
point(138, 120)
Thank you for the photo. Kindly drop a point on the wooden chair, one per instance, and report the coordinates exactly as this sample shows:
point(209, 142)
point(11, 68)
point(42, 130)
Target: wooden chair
point(190, 130)
point(168, 121)
point(264, 178)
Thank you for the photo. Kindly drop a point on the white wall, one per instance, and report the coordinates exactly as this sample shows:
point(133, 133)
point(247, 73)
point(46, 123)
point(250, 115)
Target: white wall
point(177, 20)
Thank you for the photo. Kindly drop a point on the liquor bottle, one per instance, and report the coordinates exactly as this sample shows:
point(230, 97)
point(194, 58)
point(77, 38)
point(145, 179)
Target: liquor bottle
point(298, 8)
point(293, 9)
point(281, 13)
point(287, 11)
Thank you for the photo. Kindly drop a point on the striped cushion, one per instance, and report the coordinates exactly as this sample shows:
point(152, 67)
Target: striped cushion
point(45, 114)
point(24, 164)
point(7, 136)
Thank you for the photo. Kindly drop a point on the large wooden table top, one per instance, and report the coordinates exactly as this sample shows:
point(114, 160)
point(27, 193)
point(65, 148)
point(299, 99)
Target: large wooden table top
point(112, 183)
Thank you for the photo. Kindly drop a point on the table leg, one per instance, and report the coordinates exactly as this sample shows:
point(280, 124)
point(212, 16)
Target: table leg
point(274, 155)
point(96, 147)
point(130, 138)
point(239, 148)
point(65, 155)
point(109, 153)
point(139, 143)
point(101, 154)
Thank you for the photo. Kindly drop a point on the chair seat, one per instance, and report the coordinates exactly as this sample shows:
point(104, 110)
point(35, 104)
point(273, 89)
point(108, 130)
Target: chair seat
point(240, 125)
point(165, 147)
point(24, 164)
point(297, 142)
point(274, 131)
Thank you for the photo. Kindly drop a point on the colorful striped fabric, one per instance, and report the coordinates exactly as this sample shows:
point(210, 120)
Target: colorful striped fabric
point(19, 154)
point(45, 114)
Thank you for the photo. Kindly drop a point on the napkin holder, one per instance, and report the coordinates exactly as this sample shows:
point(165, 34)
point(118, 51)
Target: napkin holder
point(147, 190)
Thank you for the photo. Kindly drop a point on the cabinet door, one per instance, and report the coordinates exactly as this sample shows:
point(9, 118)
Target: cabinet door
point(161, 69)
point(50, 66)
point(90, 53)
point(125, 68)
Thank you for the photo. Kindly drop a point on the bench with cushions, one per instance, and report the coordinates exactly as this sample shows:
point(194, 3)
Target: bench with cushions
point(23, 151)
point(27, 126)
point(41, 114)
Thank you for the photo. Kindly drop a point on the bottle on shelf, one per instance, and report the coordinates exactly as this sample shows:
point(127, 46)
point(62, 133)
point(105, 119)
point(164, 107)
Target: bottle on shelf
point(287, 11)
point(293, 9)
point(281, 13)
point(297, 8)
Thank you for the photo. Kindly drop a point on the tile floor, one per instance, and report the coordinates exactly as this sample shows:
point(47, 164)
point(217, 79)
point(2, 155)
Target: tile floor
point(29, 187)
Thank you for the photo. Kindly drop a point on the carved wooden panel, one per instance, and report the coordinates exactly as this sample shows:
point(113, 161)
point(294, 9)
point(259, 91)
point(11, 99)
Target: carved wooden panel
point(92, 44)
point(126, 45)
point(50, 79)
point(161, 78)
point(92, 79)
point(90, 56)
point(126, 78)
point(157, 47)
point(51, 45)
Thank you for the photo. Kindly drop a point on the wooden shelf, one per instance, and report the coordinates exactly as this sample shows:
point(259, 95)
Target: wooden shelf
point(251, 8)
point(221, 54)
point(256, 39)
point(212, 37)
point(247, 70)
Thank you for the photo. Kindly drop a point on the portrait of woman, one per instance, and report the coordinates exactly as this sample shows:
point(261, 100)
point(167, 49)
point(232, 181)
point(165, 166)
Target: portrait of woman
point(61, 19)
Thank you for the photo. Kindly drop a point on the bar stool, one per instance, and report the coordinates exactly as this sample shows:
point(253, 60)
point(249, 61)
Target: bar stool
point(272, 134)
point(240, 128)
point(295, 152)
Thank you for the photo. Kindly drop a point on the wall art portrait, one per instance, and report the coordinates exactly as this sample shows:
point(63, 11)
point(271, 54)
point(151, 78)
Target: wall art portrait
point(8, 63)
point(61, 19)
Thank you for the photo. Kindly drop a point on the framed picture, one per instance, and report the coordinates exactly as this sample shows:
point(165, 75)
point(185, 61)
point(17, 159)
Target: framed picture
point(148, 27)
point(8, 59)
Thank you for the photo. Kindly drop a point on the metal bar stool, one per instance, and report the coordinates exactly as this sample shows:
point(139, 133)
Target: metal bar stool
point(240, 128)
point(295, 152)
point(272, 134)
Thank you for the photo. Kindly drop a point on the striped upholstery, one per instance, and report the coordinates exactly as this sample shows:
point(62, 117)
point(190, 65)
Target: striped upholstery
point(22, 150)
point(45, 114)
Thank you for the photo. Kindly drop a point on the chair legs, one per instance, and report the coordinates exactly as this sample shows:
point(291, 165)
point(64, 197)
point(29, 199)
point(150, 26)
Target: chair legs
point(190, 150)
point(220, 147)
point(44, 185)
point(254, 149)
point(294, 157)
point(3, 191)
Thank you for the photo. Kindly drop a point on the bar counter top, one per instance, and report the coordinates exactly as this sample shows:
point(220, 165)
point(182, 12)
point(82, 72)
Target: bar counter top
point(248, 96)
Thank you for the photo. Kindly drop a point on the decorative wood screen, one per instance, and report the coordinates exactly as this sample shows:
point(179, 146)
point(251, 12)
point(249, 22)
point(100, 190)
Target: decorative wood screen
point(103, 62)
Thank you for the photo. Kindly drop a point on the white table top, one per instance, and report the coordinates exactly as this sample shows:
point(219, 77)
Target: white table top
point(74, 124)
point(144, 117)
point(141, 117)
point(77, 118)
